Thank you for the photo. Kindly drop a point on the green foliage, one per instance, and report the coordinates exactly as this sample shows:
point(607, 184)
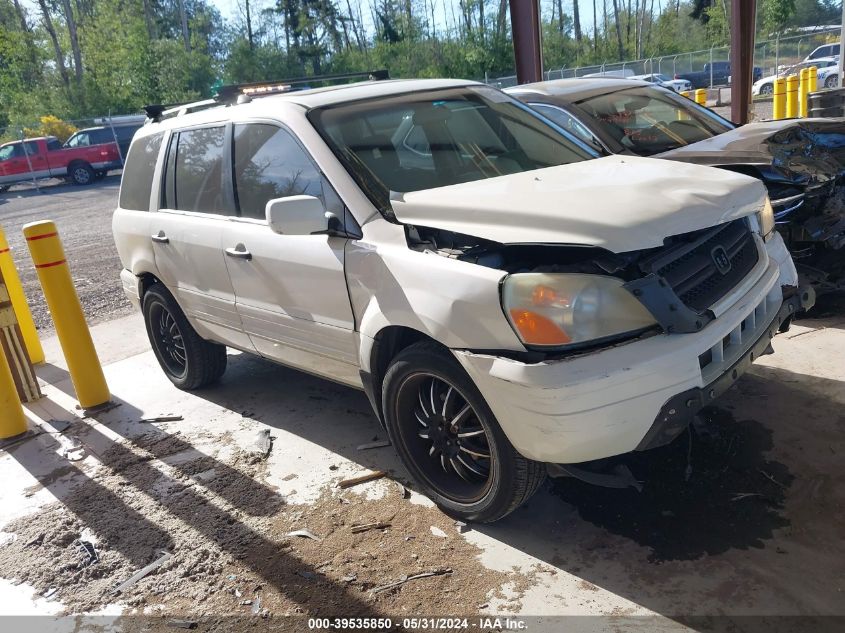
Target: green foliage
point(130, 58)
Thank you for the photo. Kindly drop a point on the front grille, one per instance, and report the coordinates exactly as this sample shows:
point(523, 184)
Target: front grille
point(690, 263)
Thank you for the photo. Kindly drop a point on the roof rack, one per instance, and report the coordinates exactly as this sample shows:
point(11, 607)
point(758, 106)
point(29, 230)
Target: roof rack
point(229, 94)
point(243, 93)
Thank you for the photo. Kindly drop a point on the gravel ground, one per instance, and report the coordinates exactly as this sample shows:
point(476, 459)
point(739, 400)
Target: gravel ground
point(83, 215)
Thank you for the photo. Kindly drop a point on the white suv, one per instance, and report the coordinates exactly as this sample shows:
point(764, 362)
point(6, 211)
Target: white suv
point(506, 299)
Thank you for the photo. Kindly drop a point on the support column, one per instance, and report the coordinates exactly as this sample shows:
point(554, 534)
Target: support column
point(743, 17)
point(527, 43)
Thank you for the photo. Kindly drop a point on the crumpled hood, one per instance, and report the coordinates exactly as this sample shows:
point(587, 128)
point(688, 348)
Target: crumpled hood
point(619, 203)
point(808, 149)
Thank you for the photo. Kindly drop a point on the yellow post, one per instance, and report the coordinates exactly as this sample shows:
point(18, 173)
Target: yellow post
point(803, 90)
point(84, 367)
point(779, 99)
point(813, 72)
point(701, 96)
point(791, 97)
point(21, 307)
point(687, 94)
point(12, 418)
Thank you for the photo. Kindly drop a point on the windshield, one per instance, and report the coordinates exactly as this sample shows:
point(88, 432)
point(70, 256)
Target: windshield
point(430, 139)
point(649, 121)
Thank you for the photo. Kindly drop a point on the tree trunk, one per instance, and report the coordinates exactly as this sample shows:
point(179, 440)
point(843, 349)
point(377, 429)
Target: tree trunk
point(148, 20)
point(501, 21)
point(183, 14)
point(618, 30)
point(358, 39)
point(74, 40)
point(27, 34)
point(595, 30)
point(248, 25)
point(481, 27)
point(576, 16)
point(57, 49)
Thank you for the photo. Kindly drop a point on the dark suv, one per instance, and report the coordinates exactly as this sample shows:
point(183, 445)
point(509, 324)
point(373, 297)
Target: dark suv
point(104, 134)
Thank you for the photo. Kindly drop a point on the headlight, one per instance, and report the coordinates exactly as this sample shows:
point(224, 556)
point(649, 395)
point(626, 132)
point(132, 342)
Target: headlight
point(555, 310)
point(766, 220)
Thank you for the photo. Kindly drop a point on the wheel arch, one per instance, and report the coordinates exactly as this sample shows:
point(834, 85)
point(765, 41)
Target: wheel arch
point(376, 354)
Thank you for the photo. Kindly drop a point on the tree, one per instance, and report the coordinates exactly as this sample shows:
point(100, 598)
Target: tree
point(776, 14)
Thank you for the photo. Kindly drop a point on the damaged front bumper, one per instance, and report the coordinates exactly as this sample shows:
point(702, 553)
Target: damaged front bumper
point(605, 403)
point(679, 410)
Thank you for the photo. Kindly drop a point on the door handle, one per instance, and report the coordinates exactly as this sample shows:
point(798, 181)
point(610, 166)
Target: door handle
point(161, 238)
point(239, 252)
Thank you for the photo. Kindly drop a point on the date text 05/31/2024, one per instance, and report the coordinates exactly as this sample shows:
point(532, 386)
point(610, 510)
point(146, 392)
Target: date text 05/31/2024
point(483, 623)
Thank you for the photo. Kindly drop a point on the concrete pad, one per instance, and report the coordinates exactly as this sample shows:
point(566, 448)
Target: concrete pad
point(728, 525)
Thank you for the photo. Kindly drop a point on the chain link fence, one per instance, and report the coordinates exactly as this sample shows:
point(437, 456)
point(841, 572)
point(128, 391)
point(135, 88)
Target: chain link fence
point(771, 56)
point(64, 128)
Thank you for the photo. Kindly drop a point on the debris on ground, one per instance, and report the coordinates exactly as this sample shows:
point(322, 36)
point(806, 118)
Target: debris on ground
point(165, 556)
point(369, 445)
point(404, 579)
point(438, 532)
point(183, 624)
point(163, 418)
point(229, 536)
point(403, 491)
point(354, 481)
point(357, 529)
point(263, 444)
point(305, 534)
point(88, 552)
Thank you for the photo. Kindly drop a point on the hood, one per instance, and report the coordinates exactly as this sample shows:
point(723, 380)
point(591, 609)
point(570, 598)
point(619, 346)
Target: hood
point(811, 149)
point(619, 203)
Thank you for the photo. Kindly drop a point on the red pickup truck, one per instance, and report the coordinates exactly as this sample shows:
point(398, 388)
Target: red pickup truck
point(46, 157)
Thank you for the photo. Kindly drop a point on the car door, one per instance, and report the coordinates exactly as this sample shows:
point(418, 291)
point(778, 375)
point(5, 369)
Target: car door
point(188, 230)
point(290, 290)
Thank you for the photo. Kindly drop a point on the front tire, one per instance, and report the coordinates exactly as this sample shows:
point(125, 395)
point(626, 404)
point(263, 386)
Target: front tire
point(81, 173)
point(449, 439)
point(189, 361)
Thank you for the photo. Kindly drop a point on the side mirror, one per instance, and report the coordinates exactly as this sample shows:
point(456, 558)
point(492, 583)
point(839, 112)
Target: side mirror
point(297, 215)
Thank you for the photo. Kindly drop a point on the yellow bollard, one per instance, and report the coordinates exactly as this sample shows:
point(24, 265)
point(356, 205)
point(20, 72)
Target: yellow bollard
point(813, 73)
point(803, 90)
point(84, 367)
point(779, 99)
point(12, 418)
point(19, 303)
point(687, 94)
point(791, 97)
point(701, 96)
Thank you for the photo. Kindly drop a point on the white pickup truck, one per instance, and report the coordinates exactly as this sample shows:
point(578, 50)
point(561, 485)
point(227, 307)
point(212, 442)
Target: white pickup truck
point(506, 299)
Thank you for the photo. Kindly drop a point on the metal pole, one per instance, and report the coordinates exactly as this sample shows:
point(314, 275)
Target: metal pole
point(711, 66)
point(842, 46)
point(743, 14)
point(29, 162)
point(114, 136)
point(527, 43)
point(777, 54)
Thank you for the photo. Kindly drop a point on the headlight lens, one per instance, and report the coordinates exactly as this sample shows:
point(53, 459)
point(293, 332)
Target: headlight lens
point(556, 310)
point(766, 220)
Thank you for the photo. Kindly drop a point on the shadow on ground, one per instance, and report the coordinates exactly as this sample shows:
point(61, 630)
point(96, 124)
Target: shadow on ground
point(762, 503)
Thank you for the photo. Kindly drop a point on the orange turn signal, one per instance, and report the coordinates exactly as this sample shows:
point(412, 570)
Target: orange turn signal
point(536, 329)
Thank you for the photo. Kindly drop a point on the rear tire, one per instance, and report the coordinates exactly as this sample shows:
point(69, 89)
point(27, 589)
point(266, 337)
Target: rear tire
point(831, 82)
point(442, 429)
point(767, 89)
point(81, 173)
point(189, 361)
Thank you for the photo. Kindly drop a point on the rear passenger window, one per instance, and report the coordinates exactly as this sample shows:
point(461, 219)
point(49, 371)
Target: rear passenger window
point(194, 178)
point(138, 173)
point(268, 164)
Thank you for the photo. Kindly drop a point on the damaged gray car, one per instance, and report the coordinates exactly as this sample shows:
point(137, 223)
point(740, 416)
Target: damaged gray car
point(801, 161)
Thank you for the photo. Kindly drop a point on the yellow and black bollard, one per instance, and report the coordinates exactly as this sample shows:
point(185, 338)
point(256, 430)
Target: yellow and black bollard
point(19, 303)
point(779, 99)
point(12, 418)
point(701, 97)
point(84, 367)
point(791, 96)
point(803, 91)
